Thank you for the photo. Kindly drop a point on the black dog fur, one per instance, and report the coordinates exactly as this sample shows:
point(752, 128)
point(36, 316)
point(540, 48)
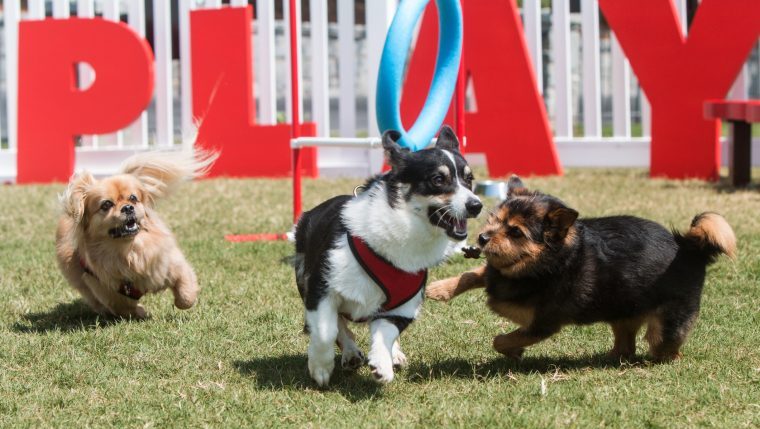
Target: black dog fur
point(547, 269)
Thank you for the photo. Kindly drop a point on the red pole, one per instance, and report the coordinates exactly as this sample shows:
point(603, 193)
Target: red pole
point(295, 114)
point(459, 102)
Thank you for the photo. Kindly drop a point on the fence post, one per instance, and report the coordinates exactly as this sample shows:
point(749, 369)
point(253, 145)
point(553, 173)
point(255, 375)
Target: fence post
point(320, 78)
point(186, 85)
point(162, 40)
point(621, 96)
point(266, 77)
point(137, 133)
point(592, 110)
point(563, 114)
point(532, 24)
point(12, 15)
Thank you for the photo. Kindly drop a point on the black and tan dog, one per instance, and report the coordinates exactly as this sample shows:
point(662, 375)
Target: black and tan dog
point(546, 269)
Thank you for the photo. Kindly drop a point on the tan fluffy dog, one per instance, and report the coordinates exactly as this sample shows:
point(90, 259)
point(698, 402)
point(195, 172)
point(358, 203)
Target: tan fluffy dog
point(111, 244)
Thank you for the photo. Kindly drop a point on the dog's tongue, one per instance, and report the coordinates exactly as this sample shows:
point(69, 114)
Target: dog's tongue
point(460, 226)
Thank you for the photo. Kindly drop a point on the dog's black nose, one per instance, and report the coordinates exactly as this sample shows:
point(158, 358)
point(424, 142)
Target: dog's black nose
point(483, 239)
point(473, 206)
point(128, 209)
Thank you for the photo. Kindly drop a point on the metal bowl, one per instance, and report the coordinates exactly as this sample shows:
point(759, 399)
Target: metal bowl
point(491, 188)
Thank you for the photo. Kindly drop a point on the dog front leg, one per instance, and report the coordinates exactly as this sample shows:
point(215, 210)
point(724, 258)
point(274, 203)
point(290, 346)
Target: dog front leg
point(185, 288)
point(444, 290)
point(385, 351)
point(323, 330)
point(513, 344)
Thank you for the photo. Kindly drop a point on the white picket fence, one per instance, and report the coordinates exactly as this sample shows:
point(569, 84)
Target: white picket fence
point(587, 86)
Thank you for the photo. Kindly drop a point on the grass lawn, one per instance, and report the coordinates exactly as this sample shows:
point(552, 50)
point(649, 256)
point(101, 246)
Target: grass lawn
point(239, 359)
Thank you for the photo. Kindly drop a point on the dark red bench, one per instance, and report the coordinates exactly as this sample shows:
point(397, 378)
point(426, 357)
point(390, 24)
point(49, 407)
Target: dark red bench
point(741, 114)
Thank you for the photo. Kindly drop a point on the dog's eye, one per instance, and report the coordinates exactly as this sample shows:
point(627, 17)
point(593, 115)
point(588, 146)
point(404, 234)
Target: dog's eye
point(133, 198)
point(106, 205)
point(438, 180)
point(515, 232)
point(468, 180)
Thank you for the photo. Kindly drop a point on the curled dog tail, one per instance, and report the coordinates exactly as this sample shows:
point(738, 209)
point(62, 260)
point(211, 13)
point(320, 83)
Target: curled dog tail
point(709, 235)
point(162, 171)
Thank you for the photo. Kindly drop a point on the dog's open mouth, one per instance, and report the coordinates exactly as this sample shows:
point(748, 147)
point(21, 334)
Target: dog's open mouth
point(455, 228)
point(128, 229)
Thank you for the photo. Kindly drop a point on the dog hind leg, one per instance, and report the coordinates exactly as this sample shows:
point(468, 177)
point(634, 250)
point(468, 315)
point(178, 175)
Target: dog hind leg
point(116, 303)
point(68, 261)
point(89, 298)
point(352, 357)
point(669, 330)
point(323, 331)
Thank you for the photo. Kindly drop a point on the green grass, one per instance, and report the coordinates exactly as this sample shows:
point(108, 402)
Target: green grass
point(238, 358)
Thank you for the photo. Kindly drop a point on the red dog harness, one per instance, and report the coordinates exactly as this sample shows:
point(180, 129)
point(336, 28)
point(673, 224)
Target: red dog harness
point(399, 286)
point(127, 288)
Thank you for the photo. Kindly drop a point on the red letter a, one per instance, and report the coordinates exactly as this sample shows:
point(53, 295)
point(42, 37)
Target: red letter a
point(510, 124)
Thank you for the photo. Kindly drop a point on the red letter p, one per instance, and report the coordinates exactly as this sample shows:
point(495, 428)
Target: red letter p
point(53, 110)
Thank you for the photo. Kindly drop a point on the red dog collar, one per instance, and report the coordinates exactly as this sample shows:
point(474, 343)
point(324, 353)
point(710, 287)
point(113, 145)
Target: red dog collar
point(127, 288)
point(399, 286)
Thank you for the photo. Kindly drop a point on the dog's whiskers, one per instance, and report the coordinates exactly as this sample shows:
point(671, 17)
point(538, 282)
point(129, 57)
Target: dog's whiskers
point(446, 207)
point(446, 213)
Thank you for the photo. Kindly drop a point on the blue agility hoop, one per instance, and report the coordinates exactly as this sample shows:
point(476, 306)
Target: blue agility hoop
point(393, 62)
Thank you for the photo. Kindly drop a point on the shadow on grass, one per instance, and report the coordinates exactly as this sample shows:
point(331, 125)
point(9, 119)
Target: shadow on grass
point(504, 367)
point(724, 186)
point(64, 317)
point(289, 372)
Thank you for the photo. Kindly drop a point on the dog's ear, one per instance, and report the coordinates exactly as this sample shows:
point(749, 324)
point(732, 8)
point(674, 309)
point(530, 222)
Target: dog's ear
point(74, 197)
point(557, 223)
point(146, 196)
point(161, 172)
point(515, 186)
point(395, 155)
point(447, 139)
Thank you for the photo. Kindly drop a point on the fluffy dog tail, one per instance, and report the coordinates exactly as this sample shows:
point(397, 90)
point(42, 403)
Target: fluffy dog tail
point(162, 171)
point(709, 235)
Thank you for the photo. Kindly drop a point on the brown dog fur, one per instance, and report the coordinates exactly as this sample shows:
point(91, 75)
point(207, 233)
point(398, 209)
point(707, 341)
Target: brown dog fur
point(547, 269)
point(149, 260)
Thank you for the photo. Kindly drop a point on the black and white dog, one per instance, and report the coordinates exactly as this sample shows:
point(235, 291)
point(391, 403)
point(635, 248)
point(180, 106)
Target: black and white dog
point(365, 258)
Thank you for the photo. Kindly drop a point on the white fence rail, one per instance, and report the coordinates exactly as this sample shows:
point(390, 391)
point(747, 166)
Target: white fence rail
point(598, 112)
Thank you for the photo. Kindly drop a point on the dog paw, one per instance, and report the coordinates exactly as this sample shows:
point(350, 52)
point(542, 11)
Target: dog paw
point(516, 353)
point(621, 355)
point(440, 290)
point(667, 357)
point(380, 374)
point(501, 346)
point(184, 304)
point(185, 298)
point(471, 252)
point(381, 365)
point(140, 313)
point(320, 373)
point(399, 359)
point(352, 359)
